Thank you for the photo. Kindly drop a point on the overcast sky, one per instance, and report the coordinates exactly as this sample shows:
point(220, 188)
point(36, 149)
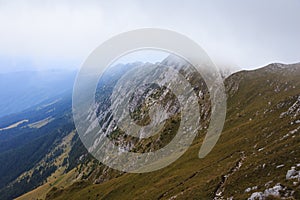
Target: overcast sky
point(61, 34)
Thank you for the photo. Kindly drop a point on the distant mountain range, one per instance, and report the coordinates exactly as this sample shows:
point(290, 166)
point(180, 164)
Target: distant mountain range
point(22, 90)
point(257, 156)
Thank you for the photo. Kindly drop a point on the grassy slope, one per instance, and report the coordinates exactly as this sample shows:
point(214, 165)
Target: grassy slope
point(252, 123)
point(58, 178)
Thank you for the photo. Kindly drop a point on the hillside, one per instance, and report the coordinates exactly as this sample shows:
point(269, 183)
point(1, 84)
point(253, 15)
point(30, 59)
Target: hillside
point(259, 144)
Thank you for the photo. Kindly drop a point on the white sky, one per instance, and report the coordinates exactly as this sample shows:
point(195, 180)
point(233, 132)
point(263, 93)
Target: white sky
point(61, 33)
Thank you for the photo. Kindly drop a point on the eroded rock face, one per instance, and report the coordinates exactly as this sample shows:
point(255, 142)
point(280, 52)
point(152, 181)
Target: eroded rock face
point(278, 190)
point(257, 196)
point(274, 191)
point(292, 173)
point(269, 192)
point(145, 105)
point(294, 110)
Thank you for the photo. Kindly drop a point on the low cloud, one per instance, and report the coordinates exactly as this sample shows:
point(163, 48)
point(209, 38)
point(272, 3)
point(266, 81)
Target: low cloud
point(52, 34)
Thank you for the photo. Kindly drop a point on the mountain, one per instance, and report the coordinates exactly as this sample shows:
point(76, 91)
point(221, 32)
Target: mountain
point(254, 158)
point(22, 90)
point(257, 155)
point(28, 137)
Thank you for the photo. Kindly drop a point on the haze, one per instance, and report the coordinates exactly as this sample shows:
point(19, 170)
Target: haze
point(39, 35)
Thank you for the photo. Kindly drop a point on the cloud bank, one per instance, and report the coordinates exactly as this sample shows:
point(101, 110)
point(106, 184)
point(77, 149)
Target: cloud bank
point(61, 34)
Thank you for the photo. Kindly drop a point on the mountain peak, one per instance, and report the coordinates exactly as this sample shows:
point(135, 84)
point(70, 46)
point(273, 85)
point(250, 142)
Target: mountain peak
point(173, 59)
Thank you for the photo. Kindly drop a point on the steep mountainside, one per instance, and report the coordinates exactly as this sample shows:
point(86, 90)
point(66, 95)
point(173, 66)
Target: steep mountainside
point(258, 146)
point(25, 140)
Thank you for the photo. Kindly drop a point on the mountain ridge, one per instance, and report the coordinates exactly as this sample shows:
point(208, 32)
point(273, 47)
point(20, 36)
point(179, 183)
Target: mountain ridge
point(256, 99)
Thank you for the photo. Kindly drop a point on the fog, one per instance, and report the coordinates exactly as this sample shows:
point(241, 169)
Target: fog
point(39, 35)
